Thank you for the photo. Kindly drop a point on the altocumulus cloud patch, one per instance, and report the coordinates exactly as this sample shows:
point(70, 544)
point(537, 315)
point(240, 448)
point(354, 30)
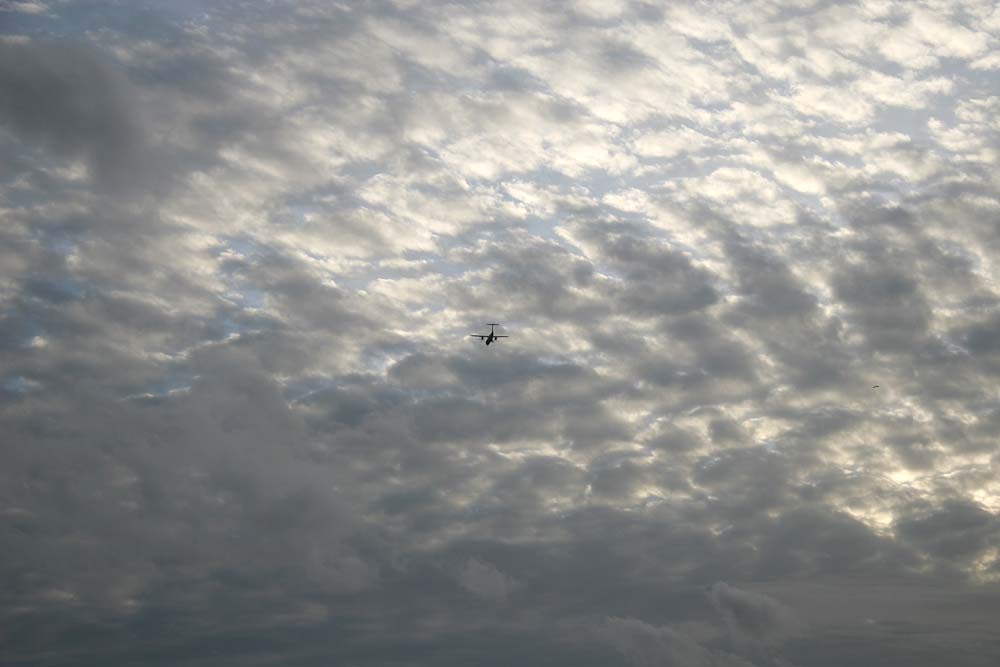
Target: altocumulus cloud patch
point(242, 250)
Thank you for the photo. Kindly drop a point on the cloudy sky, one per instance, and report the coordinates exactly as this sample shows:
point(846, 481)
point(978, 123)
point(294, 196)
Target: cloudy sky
point(242, 246)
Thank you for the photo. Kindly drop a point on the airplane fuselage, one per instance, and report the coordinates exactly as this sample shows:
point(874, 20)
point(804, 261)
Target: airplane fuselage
point(491, 337)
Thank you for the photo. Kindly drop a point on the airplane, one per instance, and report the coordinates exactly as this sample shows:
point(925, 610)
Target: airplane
point(490, 337)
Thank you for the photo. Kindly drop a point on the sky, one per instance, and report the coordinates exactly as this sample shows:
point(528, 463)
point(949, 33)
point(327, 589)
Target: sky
point(243, 245)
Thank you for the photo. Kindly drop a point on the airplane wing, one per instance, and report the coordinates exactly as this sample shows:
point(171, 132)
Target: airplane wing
point(498, 336)
point(479, 335)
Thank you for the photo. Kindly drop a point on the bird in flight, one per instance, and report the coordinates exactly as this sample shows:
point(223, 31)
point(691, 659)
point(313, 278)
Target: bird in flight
point(490, 337)
point(874, 386)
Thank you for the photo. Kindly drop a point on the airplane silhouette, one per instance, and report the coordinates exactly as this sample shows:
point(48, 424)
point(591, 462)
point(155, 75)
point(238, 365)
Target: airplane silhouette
point(490, 337)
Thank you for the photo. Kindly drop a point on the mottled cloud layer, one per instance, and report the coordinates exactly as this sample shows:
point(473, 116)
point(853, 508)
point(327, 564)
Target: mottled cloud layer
point(243, 246)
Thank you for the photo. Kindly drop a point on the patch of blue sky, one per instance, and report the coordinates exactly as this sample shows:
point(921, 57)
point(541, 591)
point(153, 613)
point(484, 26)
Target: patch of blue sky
point(56, 290)
point(26, 22)
point(357, 281)
point(241, 292)
point(176, 379)
point(913, 122)
point(392, 272)
point(952, 347)
point(18, 384)
point(714, 47)
point(976, 83)
point(29, 188)
point(545, 228)
point(243, 244)
point(296, 207)
point(361, 277)
point(610, 460)
point(654, 170)
point(596, 182)
point(177, 9)
point(770, 446)
point(506, 77)
point(229, 327)
point(967, 84)
point(422, 79)
point(430, 262)
point(377, 359)
point(55, 22)
point(679, 168)
point(420, 255)
point(896, 191)
point(250, 297)
point(62, 244)
point(297, 213)
point(299, 389)
point(357, 171)
point(812, 209)
point(28, 329)
point(959, 253)
point(150, 19)
point(593, 184)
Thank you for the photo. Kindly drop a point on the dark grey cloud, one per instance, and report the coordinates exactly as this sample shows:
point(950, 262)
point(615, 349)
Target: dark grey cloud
point(70, 99)
point(656, 279)
point(955, 532)
point(888, 304)
point(643, 644)
point(752, 615)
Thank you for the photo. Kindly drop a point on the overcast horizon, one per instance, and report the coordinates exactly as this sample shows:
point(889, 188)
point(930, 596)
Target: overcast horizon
point(746, 254)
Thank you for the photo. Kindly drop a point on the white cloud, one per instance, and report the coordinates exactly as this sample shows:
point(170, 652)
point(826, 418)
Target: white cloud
point(485, 581)
point(26, 7)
